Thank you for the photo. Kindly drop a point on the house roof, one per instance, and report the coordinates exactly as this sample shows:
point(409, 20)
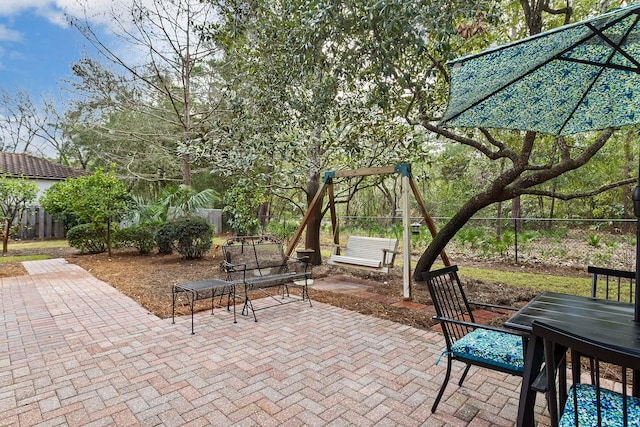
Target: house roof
point(22, 164)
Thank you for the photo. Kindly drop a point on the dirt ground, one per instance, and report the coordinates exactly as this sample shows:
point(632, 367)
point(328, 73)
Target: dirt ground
point(148, 280)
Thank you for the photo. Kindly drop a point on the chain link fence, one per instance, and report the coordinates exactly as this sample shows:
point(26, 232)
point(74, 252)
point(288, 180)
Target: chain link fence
point(562, 242)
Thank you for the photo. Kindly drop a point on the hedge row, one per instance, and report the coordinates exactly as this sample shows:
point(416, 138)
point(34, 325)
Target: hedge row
point(190, 236)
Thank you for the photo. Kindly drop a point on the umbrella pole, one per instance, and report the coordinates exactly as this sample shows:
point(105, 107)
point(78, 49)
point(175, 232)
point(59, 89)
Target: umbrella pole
point(636, 210)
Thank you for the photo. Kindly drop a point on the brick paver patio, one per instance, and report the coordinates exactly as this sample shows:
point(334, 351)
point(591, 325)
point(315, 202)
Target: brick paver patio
point(74, 351)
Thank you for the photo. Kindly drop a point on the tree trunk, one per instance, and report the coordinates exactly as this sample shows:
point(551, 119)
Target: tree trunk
point(186, 170)
point(312, 237)
point(263, 210)
point(499, 221)
point(552, 210)
point(499, 209)
point(6, 231)
point(5, 242)
point(515, 213)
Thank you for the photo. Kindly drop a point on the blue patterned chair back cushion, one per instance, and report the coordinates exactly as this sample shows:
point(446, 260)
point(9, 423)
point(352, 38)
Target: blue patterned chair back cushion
point(611, 403)
point(492, 347)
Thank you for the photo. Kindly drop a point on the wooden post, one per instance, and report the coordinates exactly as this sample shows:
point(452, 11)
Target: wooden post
point(428, 220)
point(407, 182)
point(39, 226)
point(296, 237)
point(334, 219)
point(406, 239)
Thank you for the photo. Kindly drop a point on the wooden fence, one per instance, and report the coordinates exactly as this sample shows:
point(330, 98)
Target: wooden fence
point(35, 224)
point(38, 225)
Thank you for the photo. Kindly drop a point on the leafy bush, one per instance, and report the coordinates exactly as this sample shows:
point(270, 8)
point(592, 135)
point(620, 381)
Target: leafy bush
point(192, 236)
point(86, 238)
point(165, 236)
point(139, 236)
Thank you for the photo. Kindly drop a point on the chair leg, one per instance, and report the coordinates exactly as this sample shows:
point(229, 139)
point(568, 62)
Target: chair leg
point(464, 375)
point(444, 385)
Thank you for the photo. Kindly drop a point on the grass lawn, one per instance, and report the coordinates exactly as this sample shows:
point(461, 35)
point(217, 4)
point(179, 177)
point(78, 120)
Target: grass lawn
point(28, 251)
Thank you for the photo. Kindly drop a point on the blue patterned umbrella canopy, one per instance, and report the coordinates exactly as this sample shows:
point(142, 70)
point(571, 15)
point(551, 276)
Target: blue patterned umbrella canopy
point(575, 78)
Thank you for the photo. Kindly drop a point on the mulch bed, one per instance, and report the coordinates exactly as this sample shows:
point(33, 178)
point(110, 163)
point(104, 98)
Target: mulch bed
point(148, 280)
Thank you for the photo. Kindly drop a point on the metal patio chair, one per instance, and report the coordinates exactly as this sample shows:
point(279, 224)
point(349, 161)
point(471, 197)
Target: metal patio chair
point(618, 284)
point(486, 346)
point(595, 404)
point(609, 284)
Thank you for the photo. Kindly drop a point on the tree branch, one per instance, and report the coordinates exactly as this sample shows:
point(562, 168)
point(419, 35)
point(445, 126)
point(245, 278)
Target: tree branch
point(503, 150)
point(591, 193)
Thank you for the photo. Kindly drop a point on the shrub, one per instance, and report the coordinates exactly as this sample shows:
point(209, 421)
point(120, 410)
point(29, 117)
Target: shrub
point(139, 236)
point(86, 238)
point(192, 237)
point(165, 236)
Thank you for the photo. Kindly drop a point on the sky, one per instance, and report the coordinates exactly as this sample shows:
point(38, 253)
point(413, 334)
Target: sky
point(37, 46)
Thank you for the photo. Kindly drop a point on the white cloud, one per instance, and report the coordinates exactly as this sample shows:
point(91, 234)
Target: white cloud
point(56, 11)
point(7, 34)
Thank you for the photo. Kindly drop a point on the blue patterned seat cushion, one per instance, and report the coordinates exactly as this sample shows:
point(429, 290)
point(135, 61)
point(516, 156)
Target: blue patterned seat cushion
point(587, 410)
point(492, 347)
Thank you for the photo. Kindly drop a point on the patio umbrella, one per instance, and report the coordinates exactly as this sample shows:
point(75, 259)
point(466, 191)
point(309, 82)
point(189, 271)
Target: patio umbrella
point(575, 78)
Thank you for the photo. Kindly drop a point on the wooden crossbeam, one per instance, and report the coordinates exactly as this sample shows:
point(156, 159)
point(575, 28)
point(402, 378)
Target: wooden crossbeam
point(327, 186)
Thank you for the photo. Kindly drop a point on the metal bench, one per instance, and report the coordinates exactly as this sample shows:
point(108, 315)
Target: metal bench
point(259, 263)
point(374, 253)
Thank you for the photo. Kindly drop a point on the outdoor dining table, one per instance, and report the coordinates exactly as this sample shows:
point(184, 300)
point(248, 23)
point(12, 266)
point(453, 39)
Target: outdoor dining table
point(605, 321)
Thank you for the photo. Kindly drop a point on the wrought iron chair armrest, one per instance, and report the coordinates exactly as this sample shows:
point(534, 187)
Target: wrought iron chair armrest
point(482, 326)
point(235, 268)
point(503, 307)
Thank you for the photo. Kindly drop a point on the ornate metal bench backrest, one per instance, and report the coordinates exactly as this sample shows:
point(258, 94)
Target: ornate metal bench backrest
point(253, 256)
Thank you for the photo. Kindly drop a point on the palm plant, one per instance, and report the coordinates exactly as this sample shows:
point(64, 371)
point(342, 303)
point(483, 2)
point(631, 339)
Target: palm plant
point(177, 201)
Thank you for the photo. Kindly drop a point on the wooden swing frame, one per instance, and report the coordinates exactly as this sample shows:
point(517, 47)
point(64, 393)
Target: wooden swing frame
point(407, 182)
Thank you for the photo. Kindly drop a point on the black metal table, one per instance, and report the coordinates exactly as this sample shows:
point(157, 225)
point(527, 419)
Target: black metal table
point(609, 322)
point(204, 289)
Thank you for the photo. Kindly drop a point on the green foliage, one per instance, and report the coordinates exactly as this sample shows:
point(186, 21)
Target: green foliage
point(86, 238)
point(366, 226)
point(139, 236)
point(282, 230)
point(164, 237)
point(181, 200)
point(470, 236)
point(241, 205)
point(193, 236)
point(593, 240)
point(421, 240)
point(100, 199)
point(15, 195)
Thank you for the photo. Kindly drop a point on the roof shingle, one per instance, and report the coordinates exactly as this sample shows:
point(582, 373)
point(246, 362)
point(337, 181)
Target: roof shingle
point(22, 164)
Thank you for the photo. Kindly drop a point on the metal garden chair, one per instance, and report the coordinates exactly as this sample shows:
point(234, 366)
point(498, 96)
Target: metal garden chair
point(486, 346)
point(588, 404)
point(615, 285)
point(618, 284)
